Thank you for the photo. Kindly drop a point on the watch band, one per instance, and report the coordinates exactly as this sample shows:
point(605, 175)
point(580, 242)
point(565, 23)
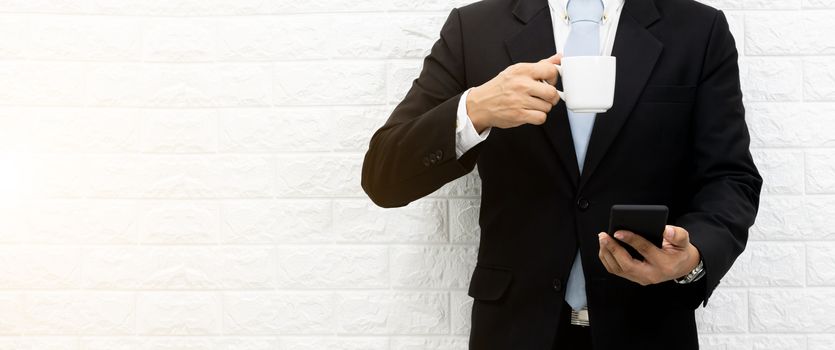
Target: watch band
point(697, 273)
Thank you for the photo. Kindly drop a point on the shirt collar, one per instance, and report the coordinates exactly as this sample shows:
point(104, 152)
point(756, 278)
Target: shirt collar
point(558, 8)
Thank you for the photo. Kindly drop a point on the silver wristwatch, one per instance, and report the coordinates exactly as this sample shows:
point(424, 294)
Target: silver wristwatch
point(697, 273)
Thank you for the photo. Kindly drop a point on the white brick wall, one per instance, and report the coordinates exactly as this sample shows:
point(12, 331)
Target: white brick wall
point(185, 175)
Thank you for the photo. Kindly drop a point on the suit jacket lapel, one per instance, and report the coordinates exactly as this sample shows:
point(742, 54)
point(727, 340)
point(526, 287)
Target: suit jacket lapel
point(532, 43)
point(636, 50)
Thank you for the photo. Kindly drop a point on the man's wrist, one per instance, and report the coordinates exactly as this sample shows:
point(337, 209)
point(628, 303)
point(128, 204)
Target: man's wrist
point(475, 118)
point(696, 272)
point(695, 257)
point(466, 136)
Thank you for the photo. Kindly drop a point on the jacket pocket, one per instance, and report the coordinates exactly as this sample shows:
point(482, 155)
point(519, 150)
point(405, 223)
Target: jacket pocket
point(489, 283)
point(668, 93)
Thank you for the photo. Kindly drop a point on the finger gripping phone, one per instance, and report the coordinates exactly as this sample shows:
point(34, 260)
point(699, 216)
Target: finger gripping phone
point(648, 221)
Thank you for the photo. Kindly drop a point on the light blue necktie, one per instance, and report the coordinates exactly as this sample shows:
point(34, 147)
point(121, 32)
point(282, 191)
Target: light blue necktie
point(583, 40)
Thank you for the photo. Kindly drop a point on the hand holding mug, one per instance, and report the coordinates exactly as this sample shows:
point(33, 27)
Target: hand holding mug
point(515, 96)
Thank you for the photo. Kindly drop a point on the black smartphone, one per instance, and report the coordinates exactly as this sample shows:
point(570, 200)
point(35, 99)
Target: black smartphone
point(648, 221)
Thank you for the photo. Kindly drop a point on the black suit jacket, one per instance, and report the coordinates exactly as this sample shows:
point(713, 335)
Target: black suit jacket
point(676, 135)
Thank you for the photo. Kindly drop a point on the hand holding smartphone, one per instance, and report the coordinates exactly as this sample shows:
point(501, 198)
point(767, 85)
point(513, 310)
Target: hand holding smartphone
point(648, 221)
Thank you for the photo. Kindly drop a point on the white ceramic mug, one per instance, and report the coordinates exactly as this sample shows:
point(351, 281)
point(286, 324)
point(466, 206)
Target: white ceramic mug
point(588, 83)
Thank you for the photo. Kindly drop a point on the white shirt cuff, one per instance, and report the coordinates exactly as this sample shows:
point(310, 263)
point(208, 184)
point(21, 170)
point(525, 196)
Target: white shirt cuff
point(466, 136)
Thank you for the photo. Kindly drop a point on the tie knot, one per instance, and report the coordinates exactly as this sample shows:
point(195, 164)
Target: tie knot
point(585, 10)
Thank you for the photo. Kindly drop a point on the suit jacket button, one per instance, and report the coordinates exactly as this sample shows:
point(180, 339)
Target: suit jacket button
point(440, 154)
point(557, 284)
point(583, 204)
point(426, 161)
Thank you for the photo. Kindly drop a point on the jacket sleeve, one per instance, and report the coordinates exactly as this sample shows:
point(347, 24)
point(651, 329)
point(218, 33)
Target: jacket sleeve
point(725, 184)
point(413, 153)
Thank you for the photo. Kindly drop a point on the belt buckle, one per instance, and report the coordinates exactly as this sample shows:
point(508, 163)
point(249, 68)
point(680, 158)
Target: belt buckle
point(580, 317)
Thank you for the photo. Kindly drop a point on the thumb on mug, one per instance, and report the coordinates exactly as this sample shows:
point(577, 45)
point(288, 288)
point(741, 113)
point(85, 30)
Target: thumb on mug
point(555, 59)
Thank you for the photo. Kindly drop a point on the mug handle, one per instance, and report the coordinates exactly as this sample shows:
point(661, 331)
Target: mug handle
point(562, 94)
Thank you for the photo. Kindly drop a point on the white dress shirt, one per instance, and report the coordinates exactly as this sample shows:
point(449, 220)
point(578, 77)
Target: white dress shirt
point(466, 136)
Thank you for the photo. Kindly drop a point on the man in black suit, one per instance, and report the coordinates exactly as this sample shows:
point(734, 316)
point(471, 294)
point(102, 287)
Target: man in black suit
point(675, 135)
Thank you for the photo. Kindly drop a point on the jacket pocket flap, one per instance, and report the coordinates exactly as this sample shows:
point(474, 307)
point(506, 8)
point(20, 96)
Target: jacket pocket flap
point(668, 93)
point(489, 283)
